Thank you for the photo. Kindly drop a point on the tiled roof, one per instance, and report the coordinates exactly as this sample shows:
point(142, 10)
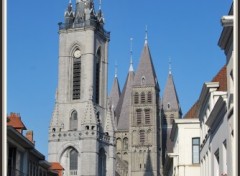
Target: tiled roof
point(123, 106)
point(192, 113)
point(56, 166)
point(145, 69)
point(170, 95)
point(115, 93)
point(15, 121)
point(221, 77)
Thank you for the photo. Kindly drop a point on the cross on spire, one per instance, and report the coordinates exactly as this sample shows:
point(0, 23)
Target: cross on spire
point(131, 60)
point(170, 66)
point(146, 35)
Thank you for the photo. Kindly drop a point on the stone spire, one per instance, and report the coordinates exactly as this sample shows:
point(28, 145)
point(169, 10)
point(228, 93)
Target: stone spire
point(115, 92)
point(123, 106)
point(170, 98)
point(145, 74)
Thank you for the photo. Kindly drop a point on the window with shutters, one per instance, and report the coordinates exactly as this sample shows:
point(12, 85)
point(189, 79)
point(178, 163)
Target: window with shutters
point(149, 97)
point(147, 116)
point(136, 98)
point(142, 136)
point(142, 97)
point(139, 116)
point(76, 79)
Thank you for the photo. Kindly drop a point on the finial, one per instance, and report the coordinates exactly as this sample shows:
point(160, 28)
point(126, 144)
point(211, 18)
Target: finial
point(146, 35)
point(131, 60)
point(100, 4)
point(170, 67)
point(115, 70)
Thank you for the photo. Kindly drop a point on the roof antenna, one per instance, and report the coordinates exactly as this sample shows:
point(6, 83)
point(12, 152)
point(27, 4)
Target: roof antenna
point(146, 35)
point(115, 69)
point(131, 59)
point(170, 66)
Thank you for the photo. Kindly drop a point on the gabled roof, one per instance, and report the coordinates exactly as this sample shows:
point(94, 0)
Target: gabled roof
point(170, 95)
point(145, 70)
point(221, 77)
point(15, 121)
point(115, 93)
point(193, 112)
point(123, 106)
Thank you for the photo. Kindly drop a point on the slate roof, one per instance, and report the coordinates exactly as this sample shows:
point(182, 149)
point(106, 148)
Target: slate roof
point(170, 95)
point(123, 106)
point(115, 93)
point(145, 69)
point(221, 77)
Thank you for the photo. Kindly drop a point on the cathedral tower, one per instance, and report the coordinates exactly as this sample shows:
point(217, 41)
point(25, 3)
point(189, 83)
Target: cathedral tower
point(144, 119)
point(170, 110)
point(81, 128)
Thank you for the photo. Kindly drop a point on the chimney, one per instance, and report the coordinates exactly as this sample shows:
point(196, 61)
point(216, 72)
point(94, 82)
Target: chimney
point(29, 136)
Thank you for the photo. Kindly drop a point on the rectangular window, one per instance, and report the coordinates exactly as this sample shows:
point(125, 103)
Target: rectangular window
point(225, 157)
point(195, 150)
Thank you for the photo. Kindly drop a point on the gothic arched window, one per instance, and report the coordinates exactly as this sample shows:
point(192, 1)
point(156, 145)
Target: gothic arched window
point(125, 143)
point(136, 98)
point(97, 75)
point(149, 97)
point(76, 85)
point(73, 162)
point(74, 121)
point(142, 97)
point(102, 163)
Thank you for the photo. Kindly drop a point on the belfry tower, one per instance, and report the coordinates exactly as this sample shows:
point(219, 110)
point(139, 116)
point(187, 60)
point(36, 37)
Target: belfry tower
point(81, 129)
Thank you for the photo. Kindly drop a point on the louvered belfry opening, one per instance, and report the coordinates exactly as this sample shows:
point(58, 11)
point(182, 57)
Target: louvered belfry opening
point(76, 78)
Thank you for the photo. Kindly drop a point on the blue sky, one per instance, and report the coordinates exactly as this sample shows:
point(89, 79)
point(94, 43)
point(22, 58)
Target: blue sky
point(186, 31)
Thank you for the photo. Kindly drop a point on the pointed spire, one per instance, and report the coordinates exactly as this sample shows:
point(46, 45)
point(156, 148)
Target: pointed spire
point(170, 97)
point(146, 35)
point(131, 59)
point(122, 109)
point(170, 66)
point(145, 73)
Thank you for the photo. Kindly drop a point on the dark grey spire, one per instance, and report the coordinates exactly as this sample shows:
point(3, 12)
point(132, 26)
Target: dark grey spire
point(123, 106)
point(115, 93)
point(145, 74)
point(170, 98)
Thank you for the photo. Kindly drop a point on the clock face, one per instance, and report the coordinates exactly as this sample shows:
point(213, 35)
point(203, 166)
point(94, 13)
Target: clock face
point(77, 53)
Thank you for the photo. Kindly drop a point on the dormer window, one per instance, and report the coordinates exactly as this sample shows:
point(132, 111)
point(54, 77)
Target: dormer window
point(168, 106)
point(143, 80)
